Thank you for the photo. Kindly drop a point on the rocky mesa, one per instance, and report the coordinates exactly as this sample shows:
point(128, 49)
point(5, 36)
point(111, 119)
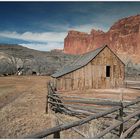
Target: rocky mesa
point(123, 38)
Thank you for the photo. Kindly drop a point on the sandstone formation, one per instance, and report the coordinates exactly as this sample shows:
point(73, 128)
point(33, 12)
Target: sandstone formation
point(123, 38)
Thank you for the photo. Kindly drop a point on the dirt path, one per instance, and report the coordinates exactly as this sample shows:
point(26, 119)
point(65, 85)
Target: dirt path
point(24, 113)
point(11, 98)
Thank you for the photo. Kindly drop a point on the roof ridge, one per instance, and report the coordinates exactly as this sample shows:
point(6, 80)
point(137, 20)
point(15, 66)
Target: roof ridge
point(95, 49)
point(79, 62)
point(82, 55)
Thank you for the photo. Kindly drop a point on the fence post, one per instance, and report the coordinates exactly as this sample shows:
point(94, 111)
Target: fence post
point(54, 119)
point(121, 119)
point(55, 122)
point(47, 104)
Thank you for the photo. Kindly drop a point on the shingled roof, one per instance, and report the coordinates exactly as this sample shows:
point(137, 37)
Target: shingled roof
point(78, 63)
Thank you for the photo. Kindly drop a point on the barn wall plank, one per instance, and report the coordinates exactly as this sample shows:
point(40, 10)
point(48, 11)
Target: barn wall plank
point(93, 75)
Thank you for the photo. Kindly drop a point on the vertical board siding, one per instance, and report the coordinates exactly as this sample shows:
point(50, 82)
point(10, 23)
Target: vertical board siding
point(93, 75)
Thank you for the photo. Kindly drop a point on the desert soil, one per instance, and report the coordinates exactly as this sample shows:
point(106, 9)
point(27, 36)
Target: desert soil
point(22, 105)
point(126, 94)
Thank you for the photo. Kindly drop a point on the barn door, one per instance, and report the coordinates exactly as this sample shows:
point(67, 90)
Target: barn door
point(108, 75)
point(108, 71)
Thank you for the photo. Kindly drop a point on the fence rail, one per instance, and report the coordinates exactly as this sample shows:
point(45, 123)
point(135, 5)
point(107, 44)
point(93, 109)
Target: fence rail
point(88, 110)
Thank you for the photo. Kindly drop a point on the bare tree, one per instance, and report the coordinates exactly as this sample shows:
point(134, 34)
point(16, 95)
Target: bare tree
point(14, 61)
point(6, 68)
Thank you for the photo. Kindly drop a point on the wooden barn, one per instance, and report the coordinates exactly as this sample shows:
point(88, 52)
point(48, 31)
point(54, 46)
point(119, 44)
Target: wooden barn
point(97, 69)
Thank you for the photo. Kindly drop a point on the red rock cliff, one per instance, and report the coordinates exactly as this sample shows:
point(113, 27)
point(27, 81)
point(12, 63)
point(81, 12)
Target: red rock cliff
point(123, 38)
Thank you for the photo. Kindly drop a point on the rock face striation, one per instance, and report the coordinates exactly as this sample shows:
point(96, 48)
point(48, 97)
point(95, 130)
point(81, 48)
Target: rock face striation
point(123, 38)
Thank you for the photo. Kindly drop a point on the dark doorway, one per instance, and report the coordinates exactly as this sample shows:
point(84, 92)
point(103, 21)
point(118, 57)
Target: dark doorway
point(33, 73)
point(107, 71)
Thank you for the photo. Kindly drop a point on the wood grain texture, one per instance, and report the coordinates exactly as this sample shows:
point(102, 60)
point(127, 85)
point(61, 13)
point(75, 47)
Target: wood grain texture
point(93, 75)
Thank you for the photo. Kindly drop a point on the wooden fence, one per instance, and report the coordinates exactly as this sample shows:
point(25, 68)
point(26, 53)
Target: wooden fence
point(132, 84)
point(87, 110)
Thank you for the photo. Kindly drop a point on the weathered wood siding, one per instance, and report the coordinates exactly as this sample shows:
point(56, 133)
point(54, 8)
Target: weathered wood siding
point(93, 75)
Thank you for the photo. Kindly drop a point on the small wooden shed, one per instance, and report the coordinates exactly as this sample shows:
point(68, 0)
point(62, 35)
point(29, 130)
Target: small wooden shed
point(97, 69)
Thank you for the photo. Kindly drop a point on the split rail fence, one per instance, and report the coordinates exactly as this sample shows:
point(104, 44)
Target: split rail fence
point(88, 109)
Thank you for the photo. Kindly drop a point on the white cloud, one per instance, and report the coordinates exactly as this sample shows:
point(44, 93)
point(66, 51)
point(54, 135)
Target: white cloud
point(83, 28)
point(37, 37)
point(48, 36)
point(44, 47)
point(88, 27)
point(39, 41)
point(47, 40)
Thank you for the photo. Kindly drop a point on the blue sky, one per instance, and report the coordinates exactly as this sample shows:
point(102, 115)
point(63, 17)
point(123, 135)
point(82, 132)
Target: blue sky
point(44, 25)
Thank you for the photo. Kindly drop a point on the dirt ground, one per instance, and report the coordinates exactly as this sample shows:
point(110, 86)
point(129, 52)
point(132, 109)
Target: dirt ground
point(22, 105)
point(125, 94)
point(23, 102)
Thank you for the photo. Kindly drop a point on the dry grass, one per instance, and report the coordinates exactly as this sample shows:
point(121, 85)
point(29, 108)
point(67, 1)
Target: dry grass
point(114, 94)
point(23, 101)
point(90, 130)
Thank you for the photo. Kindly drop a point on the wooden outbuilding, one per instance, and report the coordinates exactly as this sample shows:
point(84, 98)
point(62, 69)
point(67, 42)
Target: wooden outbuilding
point(97, 69)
